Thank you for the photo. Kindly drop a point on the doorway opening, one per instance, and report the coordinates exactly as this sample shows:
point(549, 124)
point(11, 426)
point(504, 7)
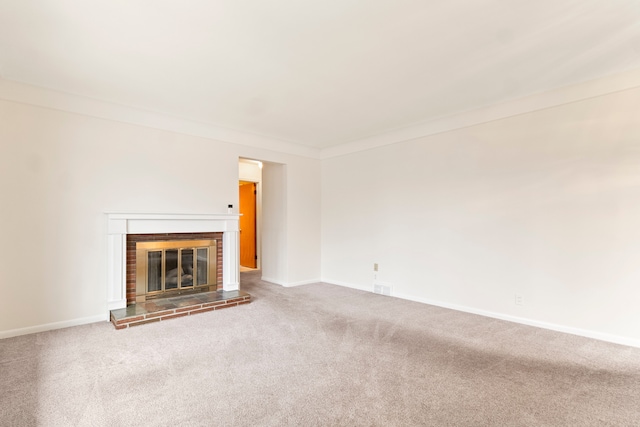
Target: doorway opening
point(249, 206)
point(248, 225)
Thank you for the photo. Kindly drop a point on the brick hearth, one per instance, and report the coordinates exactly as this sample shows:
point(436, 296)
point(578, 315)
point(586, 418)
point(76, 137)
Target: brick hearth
point(170, 308)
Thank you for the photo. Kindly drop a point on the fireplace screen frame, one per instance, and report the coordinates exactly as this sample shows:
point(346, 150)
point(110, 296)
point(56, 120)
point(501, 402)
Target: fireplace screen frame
point(142, 274)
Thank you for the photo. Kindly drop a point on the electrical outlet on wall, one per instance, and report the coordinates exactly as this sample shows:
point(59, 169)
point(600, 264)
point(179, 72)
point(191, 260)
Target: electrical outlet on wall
point(375, 266)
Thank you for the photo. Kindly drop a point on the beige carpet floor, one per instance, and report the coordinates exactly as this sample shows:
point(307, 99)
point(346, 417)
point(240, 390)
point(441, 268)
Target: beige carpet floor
point(317, 355)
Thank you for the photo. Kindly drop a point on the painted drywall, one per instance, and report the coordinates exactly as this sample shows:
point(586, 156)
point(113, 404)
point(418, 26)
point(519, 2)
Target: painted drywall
point(544, 205)
point(298, 226)
point(286, 191)
point(274, 223)
point(61, 172)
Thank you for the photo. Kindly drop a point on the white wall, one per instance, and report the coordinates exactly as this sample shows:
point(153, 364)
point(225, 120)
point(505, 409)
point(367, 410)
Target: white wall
point(544, 204)
point(61, 172)
point(301, 234)
point(274, 223)
point(284, 226)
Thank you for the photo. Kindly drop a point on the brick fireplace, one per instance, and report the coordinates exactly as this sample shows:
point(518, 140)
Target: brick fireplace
point(124, 230)
point(133, 266)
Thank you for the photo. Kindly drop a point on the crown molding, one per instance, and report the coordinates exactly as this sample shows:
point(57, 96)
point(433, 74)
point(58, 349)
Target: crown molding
point(564, 95)
point(38, 96)
point(33, 95)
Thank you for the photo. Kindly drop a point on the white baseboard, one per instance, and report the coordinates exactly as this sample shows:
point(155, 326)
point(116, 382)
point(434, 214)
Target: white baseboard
point(348, 285)
point(289, 284)
point(51, 326)
point(303, 282)
point(270, 280)
point(529, 322)
point(524, 321)
point(521, 320)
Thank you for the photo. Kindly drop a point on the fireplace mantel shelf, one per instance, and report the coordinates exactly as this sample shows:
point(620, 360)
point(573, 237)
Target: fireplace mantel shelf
point(121, 224)
point(138, 215)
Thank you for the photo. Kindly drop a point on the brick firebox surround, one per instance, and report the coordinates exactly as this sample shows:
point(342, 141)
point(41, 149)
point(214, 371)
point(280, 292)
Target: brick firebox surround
point(132, 239)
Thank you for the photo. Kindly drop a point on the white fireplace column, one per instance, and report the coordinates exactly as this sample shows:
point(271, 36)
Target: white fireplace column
point(121, 224)
point(230, 261)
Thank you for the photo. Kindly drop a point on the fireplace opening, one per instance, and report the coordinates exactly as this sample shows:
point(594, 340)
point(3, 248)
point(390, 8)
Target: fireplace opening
point(166, 268)
point(165, 265)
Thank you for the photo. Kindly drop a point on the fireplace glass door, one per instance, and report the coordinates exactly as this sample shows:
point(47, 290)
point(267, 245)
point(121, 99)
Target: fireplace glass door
point(174, 267)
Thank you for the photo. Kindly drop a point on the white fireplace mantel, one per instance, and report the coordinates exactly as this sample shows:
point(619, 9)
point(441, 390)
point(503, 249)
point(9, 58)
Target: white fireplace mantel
point(121, 224)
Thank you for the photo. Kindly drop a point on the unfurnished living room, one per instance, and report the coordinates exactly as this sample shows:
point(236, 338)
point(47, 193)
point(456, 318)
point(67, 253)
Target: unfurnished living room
point(320, 213)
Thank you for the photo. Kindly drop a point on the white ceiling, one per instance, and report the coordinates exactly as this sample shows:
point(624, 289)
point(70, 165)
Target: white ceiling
point(315, 73)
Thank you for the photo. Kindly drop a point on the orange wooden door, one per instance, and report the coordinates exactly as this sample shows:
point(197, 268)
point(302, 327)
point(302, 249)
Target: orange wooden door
point(247, 208)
